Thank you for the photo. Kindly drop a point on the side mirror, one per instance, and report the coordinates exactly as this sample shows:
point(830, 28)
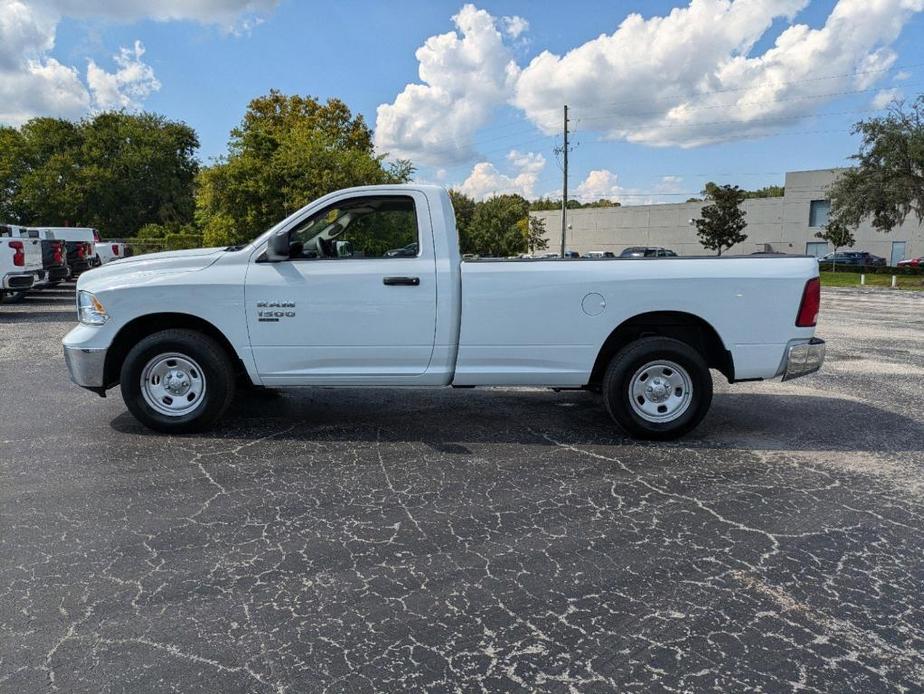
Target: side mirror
point(278, 248)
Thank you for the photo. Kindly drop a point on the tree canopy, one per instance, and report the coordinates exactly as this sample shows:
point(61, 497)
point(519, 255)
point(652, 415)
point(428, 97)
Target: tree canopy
point(722, 223)
point(494, 227)
point(287, 151)
point(887, 183)
point(115, 171)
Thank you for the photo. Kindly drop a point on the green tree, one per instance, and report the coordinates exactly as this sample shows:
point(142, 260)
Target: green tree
point(287, 151)
point(887, 184)
point(721, 225)
point(115, 171)
point(493, 230)
point(534, 231)
point(838, 235)
point(464, 208)
point(710, 189)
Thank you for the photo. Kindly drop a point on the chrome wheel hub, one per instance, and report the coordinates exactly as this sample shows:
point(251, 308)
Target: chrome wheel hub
point(660, 391)
point(173, 384)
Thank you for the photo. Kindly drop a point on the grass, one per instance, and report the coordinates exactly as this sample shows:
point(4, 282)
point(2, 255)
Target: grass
point(852, 279)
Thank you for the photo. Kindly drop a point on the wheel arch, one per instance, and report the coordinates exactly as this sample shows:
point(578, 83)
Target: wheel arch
point(139, 328)
point(680, 325)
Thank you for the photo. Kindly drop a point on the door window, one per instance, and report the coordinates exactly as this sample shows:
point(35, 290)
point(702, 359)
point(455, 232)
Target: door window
point(368, 227)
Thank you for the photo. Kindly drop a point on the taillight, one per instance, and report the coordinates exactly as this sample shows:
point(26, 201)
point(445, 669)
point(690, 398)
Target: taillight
point(56, 254)
point(811, 302)
point(115, 249)
point(19, 255)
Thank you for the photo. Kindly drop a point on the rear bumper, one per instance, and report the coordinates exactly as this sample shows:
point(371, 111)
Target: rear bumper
point(18, 280)
point(78, 266)
point(802, 358)
point(57, 273)
point(86, 366)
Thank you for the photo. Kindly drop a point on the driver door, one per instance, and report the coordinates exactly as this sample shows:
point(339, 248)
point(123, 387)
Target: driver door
point(356, 300)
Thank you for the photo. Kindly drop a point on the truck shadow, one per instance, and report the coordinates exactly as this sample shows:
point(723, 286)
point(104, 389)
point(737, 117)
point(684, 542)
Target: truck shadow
point(453, 421)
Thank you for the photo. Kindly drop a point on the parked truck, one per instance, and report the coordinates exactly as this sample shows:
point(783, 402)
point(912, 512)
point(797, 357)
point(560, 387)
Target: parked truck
point(106, 251)
point(20, 263)
point(79, 244)
point(366, 287)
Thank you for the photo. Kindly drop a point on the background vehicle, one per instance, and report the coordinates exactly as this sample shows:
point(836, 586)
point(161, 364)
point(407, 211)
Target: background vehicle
point(599, 254)
point(20, 264)
point(291, 308)
point(912, 262)
point(54, 255)
point(105, 251)
point(853, 258)
point(79, 243)
point(647, 252)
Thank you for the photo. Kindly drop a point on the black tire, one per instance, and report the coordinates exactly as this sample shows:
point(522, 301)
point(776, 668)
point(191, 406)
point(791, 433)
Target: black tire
point(622, 370)
point(217, 372)
point(12, 297)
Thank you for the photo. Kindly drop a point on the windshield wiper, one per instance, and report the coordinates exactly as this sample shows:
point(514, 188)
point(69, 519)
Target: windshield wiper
point(236, 248)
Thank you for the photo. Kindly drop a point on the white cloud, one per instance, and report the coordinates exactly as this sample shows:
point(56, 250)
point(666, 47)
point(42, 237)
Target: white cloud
point(884, 97)
point(901, 76)
point(128, 86)
point(32, 82)
point(466, 74)
point(600, 184)
point(514, 26)
point(485, 180)
point(232, 15)
point(687, 78)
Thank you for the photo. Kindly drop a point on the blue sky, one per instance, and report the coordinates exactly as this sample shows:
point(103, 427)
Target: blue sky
point(207, 68)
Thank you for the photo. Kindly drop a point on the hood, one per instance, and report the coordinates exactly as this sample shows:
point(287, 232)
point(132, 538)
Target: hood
point(141, 268)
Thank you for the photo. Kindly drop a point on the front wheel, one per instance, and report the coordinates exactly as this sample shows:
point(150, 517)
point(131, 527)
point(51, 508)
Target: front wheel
point(657, 388)
point(177, 381)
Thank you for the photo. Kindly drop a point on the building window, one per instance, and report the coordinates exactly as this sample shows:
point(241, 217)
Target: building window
point(816, 248)
point(818, 212)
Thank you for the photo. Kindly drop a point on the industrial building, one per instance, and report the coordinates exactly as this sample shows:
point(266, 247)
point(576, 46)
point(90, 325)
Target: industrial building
point(786, 224)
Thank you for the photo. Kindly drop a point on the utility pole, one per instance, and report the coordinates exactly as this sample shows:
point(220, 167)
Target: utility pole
point(564, 189)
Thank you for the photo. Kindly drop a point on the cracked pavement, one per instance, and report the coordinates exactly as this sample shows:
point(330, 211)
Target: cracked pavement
point(458, 540)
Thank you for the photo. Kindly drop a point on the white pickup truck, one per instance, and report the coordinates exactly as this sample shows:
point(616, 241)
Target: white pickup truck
point(20, 262)
point(366, 287)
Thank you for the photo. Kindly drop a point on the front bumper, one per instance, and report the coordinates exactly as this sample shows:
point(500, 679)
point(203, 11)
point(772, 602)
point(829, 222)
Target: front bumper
point(803, 358)
point(87, 366)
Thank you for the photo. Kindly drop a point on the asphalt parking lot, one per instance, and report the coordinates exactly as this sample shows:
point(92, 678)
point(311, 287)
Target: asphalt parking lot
point(360, 540)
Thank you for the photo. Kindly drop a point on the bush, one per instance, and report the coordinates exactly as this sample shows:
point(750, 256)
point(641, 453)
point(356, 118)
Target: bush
point(871, 270)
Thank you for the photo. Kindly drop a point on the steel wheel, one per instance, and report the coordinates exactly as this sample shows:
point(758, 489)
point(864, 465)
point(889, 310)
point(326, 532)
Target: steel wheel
point(660, 391)
point(173, 384)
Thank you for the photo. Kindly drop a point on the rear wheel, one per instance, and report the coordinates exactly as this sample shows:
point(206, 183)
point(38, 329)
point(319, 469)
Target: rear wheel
point(657, 388)
point(177, 381)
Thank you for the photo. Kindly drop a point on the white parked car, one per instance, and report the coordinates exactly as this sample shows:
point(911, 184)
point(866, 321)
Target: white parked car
point(599, 254)
point(20, 262)
point(322, 298)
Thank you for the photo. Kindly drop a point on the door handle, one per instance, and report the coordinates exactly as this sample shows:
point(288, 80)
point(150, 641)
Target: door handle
point(401, 281)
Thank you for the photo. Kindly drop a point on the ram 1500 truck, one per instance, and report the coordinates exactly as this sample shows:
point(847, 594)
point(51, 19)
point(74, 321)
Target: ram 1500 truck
point(366, 287)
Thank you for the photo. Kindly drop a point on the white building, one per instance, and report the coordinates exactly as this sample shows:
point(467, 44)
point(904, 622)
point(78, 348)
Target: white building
point(785, 224)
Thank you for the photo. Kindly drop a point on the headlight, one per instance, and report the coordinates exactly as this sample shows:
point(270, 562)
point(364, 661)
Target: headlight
point(89, 310)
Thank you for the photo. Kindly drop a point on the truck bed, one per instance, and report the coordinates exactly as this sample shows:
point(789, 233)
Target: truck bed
point(542, 321)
